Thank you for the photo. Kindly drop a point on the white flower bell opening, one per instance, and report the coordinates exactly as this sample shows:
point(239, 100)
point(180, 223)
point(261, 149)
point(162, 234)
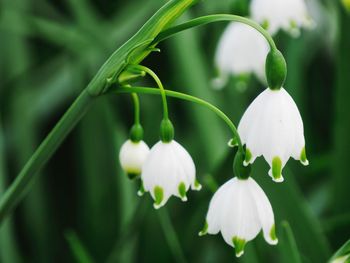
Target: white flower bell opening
point(241, 50)
point(272, 127)
point(289, 15)
point(132, 156)
point(168, 170)
point(240, 209)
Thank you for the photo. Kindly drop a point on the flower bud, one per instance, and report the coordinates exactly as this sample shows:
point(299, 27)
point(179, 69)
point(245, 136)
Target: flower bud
point(275, 69)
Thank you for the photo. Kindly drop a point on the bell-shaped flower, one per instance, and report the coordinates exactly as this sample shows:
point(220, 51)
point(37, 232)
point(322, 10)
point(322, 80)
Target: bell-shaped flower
point(272, 127)
point(241, 50)
point(289, 15)
point(240, 209)
point(168, 170)
point(132, 155)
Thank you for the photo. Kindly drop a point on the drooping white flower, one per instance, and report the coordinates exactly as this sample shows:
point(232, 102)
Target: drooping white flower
point(132, 155)
point(241, 50)
point(289, 15)
point(168, 170)
point(240, 209)
point(272, 127)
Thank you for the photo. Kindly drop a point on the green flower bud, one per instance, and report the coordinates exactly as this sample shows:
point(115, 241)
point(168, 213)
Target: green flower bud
point(136, 133)
point(242, 172)
point(275, 69)
point(166, 131)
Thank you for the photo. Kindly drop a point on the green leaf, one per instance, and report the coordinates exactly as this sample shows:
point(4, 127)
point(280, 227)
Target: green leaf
point(287, 245)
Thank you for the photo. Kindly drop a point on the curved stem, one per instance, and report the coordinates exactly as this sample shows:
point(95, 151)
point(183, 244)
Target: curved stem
point(179, 95)
point(203, 20)
point(160, 86)
point(136, 101)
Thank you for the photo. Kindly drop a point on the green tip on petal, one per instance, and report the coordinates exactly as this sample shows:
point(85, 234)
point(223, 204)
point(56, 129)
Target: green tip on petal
point(133, 176)
point(239, 245)
point(303, 158)
point(265, 24)
point(276, 173)
point(233, 142)
point(141, 191)
point(197, 186)
point(182, 191)
point(204, 231)
point(273, 235)
point(248, 157)
point(158, 196)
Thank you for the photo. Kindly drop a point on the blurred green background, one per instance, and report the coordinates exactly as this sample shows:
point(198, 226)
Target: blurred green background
point(84, 209)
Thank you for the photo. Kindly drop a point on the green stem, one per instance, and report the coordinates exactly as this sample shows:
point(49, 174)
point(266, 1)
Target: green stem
point(160, 86)
point(136, 101)
point(203, 20)
point(187, 97)
point(46, 149)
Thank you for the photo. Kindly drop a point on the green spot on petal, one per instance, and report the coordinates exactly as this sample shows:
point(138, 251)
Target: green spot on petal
point(197, 185)
point(265, 24)
point(182, 190)
point(158, 195)
point(233, 142)
point(276, 168)
point(248, 155)
point(133, 176)
point(293, 24)
point(273, 233)
point(204, 231)
point(141, 191)
point(239, 245)
point(303, 158)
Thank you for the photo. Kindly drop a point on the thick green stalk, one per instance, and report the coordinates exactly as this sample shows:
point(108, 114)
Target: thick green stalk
point(187, 97)
point(47, 148)
point(138, 47)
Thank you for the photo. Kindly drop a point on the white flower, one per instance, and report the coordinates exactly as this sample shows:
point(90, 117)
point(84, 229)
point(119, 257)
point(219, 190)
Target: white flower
point(272, 127)
point(241, 50)
point(240, 209)
point(168, 170)
point(289, 15)
point(132, 156)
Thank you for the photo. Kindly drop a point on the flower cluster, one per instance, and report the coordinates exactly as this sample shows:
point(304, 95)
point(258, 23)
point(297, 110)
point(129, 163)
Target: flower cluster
point(242, 50)
point(270, 127)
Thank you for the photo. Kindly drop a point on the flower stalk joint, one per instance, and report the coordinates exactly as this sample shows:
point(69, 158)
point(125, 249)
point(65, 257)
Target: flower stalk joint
point(136, 133)
point(239, 169)
point(166, 131)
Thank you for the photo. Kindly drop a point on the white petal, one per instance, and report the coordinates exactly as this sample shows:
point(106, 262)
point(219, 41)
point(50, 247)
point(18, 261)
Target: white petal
point(241, 50)
point(132, 156)
point(289, 15)
point(265, 212)
point(216, 206)
point(240, 216)
point(170, 169)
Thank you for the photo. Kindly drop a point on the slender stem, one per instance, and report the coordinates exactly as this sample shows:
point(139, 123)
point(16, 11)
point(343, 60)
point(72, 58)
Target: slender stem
point(136, 101)
point(179, 95)
point(160, 86)
point(46, 149)
point(203, 20)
